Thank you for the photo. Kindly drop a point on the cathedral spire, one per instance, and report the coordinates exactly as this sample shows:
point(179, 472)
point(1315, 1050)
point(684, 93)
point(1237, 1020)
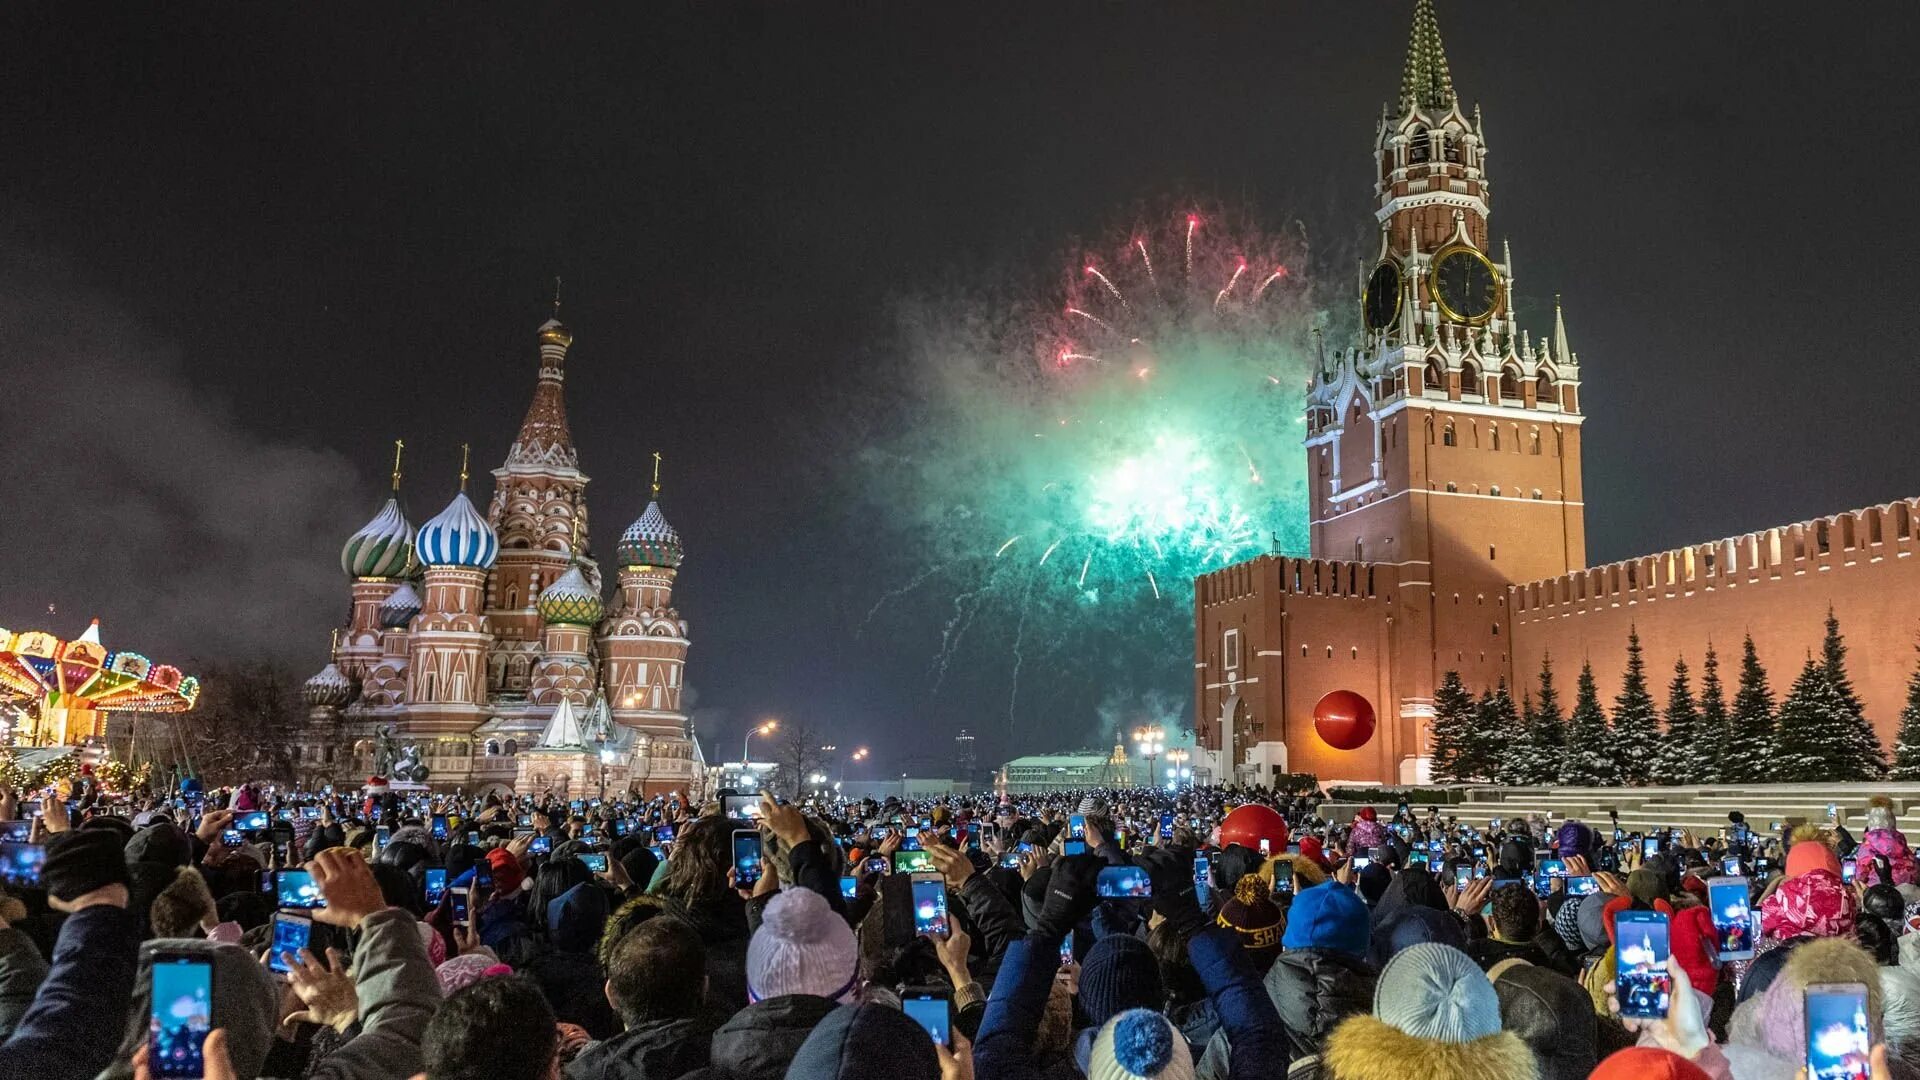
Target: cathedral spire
point(544, 437)
point(1425, 83)
point(1560, 351)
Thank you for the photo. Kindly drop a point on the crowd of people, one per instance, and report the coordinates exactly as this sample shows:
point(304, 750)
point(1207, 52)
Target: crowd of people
point(1114, 934)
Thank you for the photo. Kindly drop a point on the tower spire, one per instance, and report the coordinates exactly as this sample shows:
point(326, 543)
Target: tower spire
point(1425, 83)
point(399, 447)
point(1561, 353)
point(466, 454)
point(656, 476)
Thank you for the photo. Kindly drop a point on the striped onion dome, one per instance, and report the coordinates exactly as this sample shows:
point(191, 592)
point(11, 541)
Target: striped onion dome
point(458, 536)
point(650, 541)
point(382, 548)
point(329, 687)
point(571, 600)
point(400, 606)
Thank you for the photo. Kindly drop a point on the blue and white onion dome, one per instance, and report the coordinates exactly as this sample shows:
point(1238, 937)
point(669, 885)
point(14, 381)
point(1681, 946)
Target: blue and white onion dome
point(458, 536)
point(571, 600)
point(400, 606)
point(650, 541)
point(382, 548)
point(329, 687)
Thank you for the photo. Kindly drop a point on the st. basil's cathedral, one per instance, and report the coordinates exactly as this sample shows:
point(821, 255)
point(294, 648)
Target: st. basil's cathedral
point(481, 645)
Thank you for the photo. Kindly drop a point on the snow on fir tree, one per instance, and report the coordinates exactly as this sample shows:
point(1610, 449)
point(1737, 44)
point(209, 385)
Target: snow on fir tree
point(1812, 738)
point(1589, 758)
point(1455, 720)
point(1712, 737)
point(1535, 757)
point(1677, 762)
point(1497, 723)
point(1862, 742)
point(1749, 757)
point(1906, 746)
point(1518, 760)
point(1636, 719)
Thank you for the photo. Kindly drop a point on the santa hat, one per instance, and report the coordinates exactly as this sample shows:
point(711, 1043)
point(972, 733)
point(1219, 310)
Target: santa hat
point(376, 784)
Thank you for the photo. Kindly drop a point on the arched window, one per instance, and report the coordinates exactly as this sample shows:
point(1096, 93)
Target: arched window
point(511, 747)
point(1543, 390)
point(493, 748)
point(1533, 442)
point(1494, 430)
point(1510, 384)
point(1470, 382)
point(1446, 435)
point(1434, 379)
point(1418, 147)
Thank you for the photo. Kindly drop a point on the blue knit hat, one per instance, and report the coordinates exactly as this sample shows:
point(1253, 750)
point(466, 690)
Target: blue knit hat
point(1119, 973)
point(1140, 1044)
point(1328, 916)
point(1434, 992)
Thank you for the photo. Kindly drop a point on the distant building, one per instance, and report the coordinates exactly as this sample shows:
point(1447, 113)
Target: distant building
point(963, 757)
point(1059, 772)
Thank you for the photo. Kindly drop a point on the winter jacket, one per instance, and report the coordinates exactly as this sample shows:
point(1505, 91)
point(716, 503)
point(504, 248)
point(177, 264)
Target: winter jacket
point(761, 1039)
point(22, 969)
point(660, 1051)
point(1888, 844)
point(1552, 1015)
point(721, 920)
point(1312, 990)
point(1490, 951)
point(1363, 1048)
point(73, 1027)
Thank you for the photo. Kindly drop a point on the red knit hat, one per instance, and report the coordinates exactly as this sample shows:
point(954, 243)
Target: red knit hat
point(1647, 1063)
point(507, 874)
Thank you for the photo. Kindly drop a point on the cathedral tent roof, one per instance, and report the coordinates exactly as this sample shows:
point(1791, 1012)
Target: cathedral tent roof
point(563, 730)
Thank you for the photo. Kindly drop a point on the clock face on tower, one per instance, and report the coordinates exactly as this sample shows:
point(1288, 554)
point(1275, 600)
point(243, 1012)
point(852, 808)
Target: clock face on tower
point(1466, 285)
point(1382, 303)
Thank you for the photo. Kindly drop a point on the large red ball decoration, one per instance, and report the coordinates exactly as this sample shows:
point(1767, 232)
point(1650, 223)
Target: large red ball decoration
point(1343, 720)
point(1248, 825)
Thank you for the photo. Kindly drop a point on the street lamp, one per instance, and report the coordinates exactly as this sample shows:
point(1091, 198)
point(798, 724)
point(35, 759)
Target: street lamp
point(1150, 741)
point(764, 729)
point(1177, 760)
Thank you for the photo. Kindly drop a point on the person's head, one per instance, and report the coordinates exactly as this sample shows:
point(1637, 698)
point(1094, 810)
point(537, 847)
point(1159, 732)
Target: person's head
point(854, 1042)
point(702, 854)
point(1177, 973)
point(1884, 900)
point(1139, 1044)
point(802, 947)
point(649, 974)
point(496, 1029)
point(1117, 974)
point(1516, 913)
point(183, 908)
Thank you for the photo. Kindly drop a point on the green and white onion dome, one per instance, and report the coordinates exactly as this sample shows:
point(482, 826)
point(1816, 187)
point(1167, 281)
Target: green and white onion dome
point(400, 606)
point(571, 600)
point(457, 536)
point(382, 548)
point(650, 541)
point(329, 687)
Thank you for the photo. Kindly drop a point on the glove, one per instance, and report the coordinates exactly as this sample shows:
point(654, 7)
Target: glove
point(1072, 893)
point(1173, 892)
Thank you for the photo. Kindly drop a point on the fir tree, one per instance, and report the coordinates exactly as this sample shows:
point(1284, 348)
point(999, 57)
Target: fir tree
point(1546, 729)
point(1636, 720)
point(1454, 717)
point(1861, 744)
point(1496, 724)
point(1678, 762)
point(1710, 762)
point(1519, 763)
point(1589, 758)
point(1906, 748)
point(1812, 736)
point(1749, 757)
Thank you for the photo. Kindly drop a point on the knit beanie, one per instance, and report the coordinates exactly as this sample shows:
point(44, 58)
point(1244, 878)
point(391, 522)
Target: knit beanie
point(1593, 921)
point(1880, 813)
point(1374, 881)
point(507, 872)
point(1119, 973)
point(1411, 926)
point(1809, 852)
point(81, 861)
point(1255, 917)
point(1139, 1044)
point(162, 842)
point(869, 1039)
point(1647, 1063)
point(1434, 992)
point(1328, 917)
point(466, 969)
point(1566, 924)
point(1575, 838)
point(802, 947)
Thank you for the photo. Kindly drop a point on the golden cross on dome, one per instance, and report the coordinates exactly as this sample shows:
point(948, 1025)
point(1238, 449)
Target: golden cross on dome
point(465, 453)
point(399, 446)
point(656, 474)
point(556, 296)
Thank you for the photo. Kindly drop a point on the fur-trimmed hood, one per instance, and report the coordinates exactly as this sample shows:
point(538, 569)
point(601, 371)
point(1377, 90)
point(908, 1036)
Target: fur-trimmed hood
point(1365, 1048)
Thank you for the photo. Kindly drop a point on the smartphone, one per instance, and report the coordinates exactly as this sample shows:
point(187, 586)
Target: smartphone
point(180, 1017)
point(929, 905)
point(1644, 987)
point(849, 887)
point(1542, 886)
point(252, 821)
point(1076, 826)
point(1066, 949)
point(741, 807)
point(1731, 865)
point(1417, 858)
point(1461, 875)
point(310, 813)
point(1650, 846)
point(931, 1009)
point(596, 861)
point(524, 821)
point(1074, 847)
point(1847, 870)
point(18, 832)
point(1728, 900)
point(473, 839)
point(20, 864)
point(1123, 882)
point(459, 897)
point(747, 856)
point(382, 836)
point(541, 845)
point(295, 889)
point(878, 865)
point(1583, 885)
point(1838, 1037)
point(1010, 861)
point(439, 827)
point(912, 862)
point(435, 885)
point(291, 933)
point(1166, 826)
point(1361, 862)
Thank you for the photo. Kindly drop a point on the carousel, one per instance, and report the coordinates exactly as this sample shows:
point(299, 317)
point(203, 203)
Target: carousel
point(62, 690)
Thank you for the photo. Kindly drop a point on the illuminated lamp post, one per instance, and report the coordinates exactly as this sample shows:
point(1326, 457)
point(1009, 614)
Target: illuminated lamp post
point(764, 729)
point(1150, 741)
point(1176, 767)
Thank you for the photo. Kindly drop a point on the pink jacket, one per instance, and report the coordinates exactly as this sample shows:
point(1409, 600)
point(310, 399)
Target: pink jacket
point(1888, 844)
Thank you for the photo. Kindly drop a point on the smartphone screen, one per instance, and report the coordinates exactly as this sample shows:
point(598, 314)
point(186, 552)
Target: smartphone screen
point(1074, 847)
point(295, 889)
point(1728, 899)
point(253, 821)
point(912, 862)
point(541, 845)
point(1553, 867)
point(1117, 882)
point(291, 933)
point(1076, 826)
point(1166, 826)
point(436, 884)
point(930, 1011)
point(877, 865)
point(1542, 886)
point(1361, 862)
point(20, 864)
point(1010, 861)
point(439, 828)
point(1583, 885)
point(459, 897)
point(596, 861)
point(1650, 846)
point(1731, 865)
point(1066, 950)
point(741, 807)
point(181, 1016)
point(16, 831)
point(1461, 875)
point(1642, 982)
point(929, 906)
point(1847, 870)
point(1838, 1038)
point(746, 857)
point(849, 888)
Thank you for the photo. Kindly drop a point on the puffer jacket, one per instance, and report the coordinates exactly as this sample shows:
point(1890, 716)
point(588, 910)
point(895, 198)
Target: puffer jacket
point(659, 1051)
point(1888, 844)
point(1313, 989)
point(761, 1039)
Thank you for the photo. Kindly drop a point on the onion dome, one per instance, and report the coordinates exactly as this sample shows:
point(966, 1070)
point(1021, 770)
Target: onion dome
point(650, 541)
point(555, 332)
point(382, 548)
point(329, 687)
point(458, 536)
point(400, 607)
point(571, 600)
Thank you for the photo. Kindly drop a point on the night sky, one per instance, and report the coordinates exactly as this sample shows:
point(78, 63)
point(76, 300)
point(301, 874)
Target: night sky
point(241, 251)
